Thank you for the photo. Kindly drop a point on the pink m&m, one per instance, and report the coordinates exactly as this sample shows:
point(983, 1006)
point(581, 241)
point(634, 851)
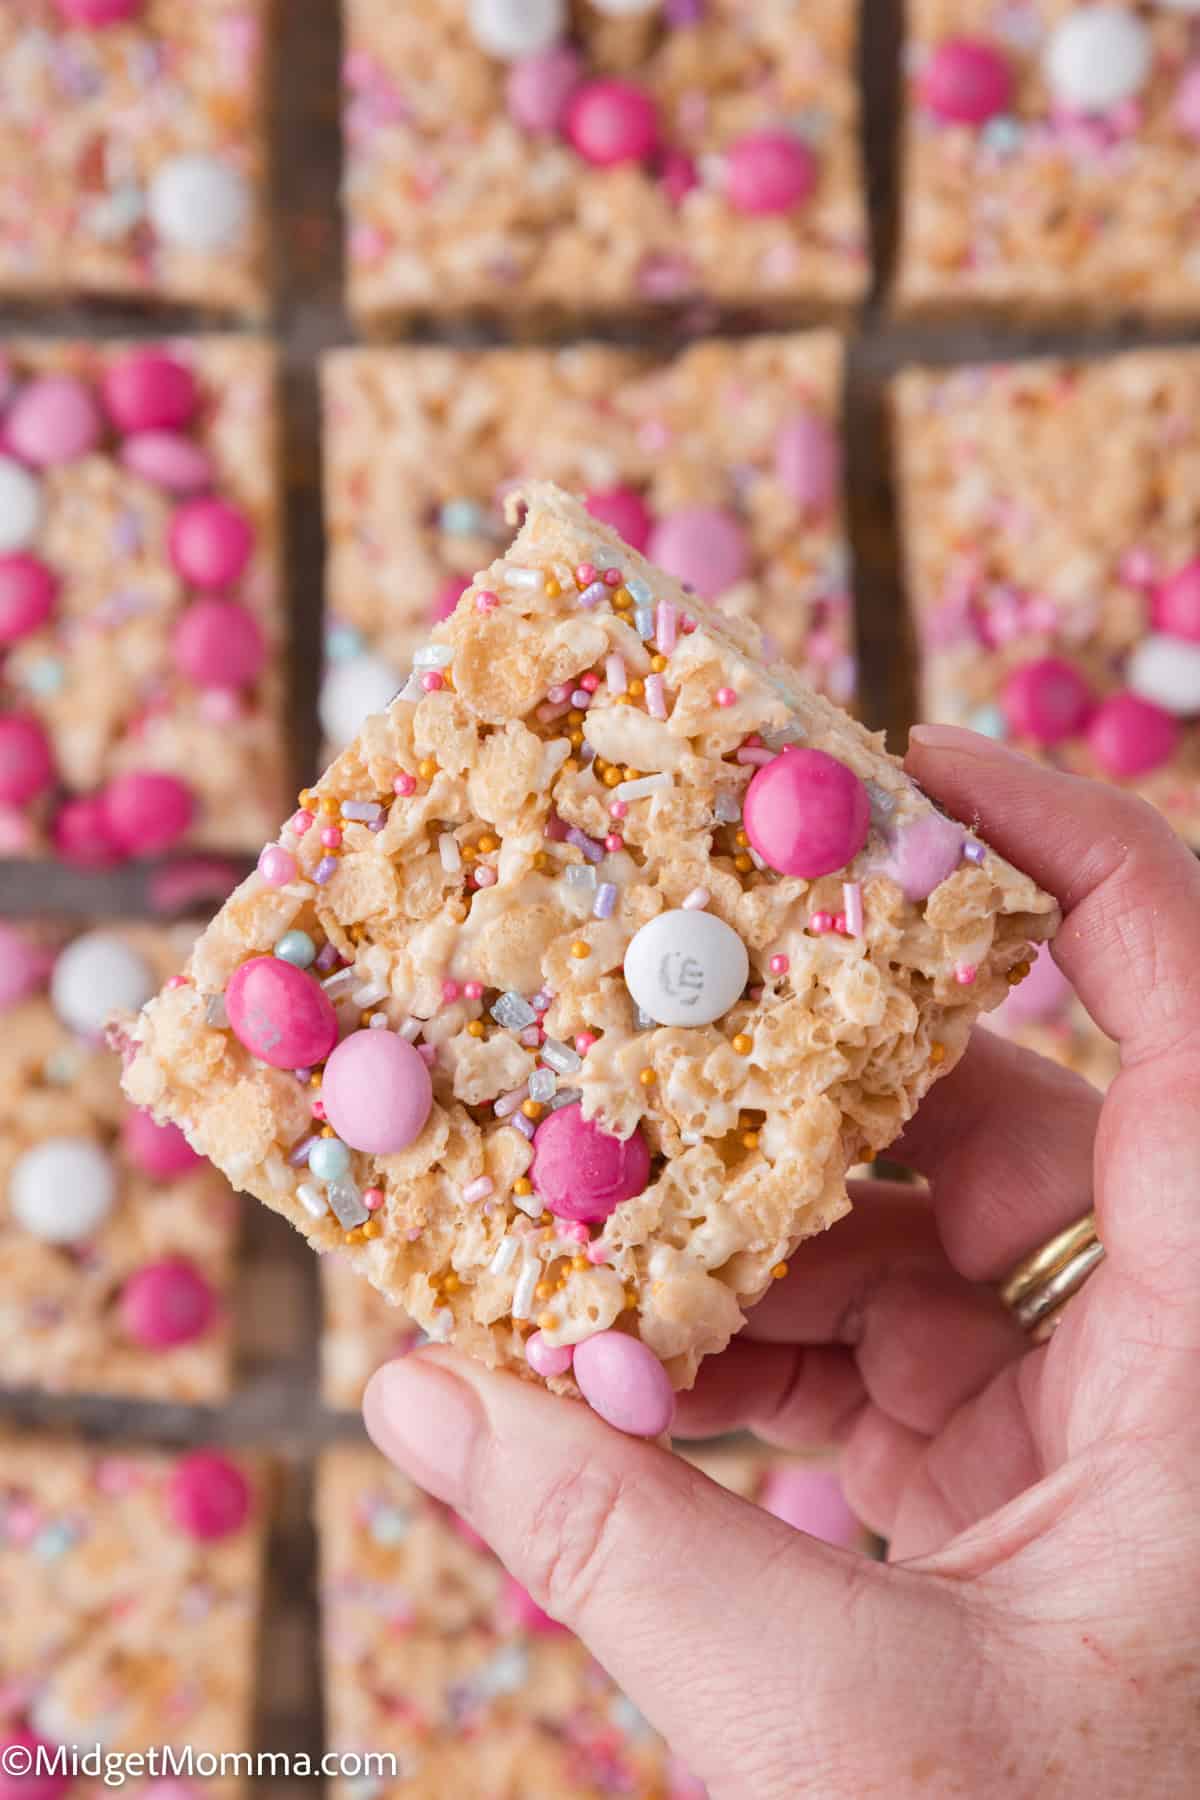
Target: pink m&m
point(1186, 106)
point(812, 1500)
point(1046, 700)
point(519, 1605)
point(149, 391)
point(923, 853)
point(769, 172)
point(166, 1303)
point(158, 1150)
point(53, 420)
point(81, 835)
point(280, 1013)
point(580, 1171)
point(97, 12)
point(806, 813)
point(808, 462)
point(538, 87)
point(1044, 994)
point(624, 509)
point(610, 122)
point(145, 812)
point(1129, 736)
point(546, 1359)
point(623, 1381)
point(1176, 605)
point(377, 1092)
point(24, 966)
point(965, 82)
point(210, 542)
point(36, 1784)
point(703, 546)
point(219, 643)
point(207, 1496)
point(168, 460)
point(26, 761)
point(27, 592)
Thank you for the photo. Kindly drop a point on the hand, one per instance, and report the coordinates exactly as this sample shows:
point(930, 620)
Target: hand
point(1037, 1632)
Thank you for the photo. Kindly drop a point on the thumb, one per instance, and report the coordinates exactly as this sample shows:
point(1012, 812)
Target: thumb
point(749, 1645)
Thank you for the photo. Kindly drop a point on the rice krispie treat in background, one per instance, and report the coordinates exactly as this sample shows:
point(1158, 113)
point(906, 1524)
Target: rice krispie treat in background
point(722, 464)
point(1050, 513)
point(1047, 1015)
point(526, 158)
point(140, 612)
point(359, 1331)
point(129, 1590)
point(117, 1241)
point(133, 150)
point(1049, 158)
point(569, 994)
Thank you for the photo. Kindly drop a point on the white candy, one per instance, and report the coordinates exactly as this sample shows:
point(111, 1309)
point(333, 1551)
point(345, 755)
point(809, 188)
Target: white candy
point(1097, 57)
point(516, 28)
point(686, 968)
point(96, 976)
point(62, 1190)
point(351, 691)
point(198, 203)
point(1167, 671)
point(625, 9)
point(20, 506)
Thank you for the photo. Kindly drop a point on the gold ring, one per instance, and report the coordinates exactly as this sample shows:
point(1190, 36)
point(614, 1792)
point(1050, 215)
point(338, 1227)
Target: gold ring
point(1042, 1283)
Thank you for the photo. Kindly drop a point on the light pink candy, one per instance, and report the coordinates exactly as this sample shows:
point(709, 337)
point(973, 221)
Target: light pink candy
point(625, 1383)
point(923, 853)
point(703, 546)
point(1186, 107)
point(965, 82)
point(280, 1013)
point(81, 834)
point(26, 760)
point(24, 966)
point(1045, 993)
point(377, 1092)
point(808, 462)
point(210, 542)
point(769, 172)
point(168, 460)
point(812, 1500)
point(538, 88)
point(546, 1359)
point(146, 812)
point(1176, 606)
point(97, 12)
point(147, 390)
point(27, 594)
point(166, 1303)
point(276, 865)
point(1130, 736)
point(610, 122)
point(219, 643)
point(520, 1606)
point(582, 1172)
point(53, 420)
point(44, 1785)
point(806, 814)
point(624, 509)
point(1046, 699)
point(158, 1150)
point(448, 597)
point(207, 1496)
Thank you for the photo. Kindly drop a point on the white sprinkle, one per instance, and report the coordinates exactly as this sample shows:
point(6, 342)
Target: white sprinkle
point(615, 675)
point(370, 994)
point(478, 1190)
point(508, 1103)
point(727, 807)
point(853, 903)
point(542, 1085)
point(442, 1326)
point(506, 1255)
point(666, 625)
point(337, 986)
point(638, 790)
point(410, 1029)
point(776, 736)
point(450, 853)
point(312, 1199)
point(513, 1012)
point(759, 757)
point(524, 578)
point(214, 1011)
point(560, 1057)
point(433, 656)
point(362, 811)
point(699, 897)
point(377, 1022)
point(527, 1280)
point(528, 1203)
point(656, 697)
point(580, 875)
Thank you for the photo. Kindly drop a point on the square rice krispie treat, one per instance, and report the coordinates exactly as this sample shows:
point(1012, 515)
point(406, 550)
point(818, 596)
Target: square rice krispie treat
point(1049, 159)
point(116, 1240)
point(1047, 1015)
point(1050, 513)
point(569, 994)
point(359, 1331)
point(539, 160)
point(432, 1651)
point(140, 609)
point(129, 1590)
point(133, 150)
point(722, 463)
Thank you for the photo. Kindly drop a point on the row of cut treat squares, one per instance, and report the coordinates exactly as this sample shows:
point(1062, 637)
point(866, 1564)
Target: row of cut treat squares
point(537, 160)
point(132, 1589)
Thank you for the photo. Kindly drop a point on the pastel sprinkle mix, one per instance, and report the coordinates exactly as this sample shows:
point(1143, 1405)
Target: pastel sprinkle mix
point(853, 902)
point(696, 900)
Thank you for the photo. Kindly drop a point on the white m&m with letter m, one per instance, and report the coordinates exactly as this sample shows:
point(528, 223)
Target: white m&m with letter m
point(686, 967)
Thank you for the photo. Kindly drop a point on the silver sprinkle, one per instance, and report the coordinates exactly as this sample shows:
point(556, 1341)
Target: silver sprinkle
point(366, 811)
point(524, 578)
point(312, 1199)
point(542, 1084)
point(580, 875)
point(513, 1012)
point(433, 656)
point(639, 590)
point(527, 1280)
point(410, 1029)
point(347, 1202)
point(214, 1012)
point(727, 807)
point(564, 1097)
point(643, 1021)
point(560, 1057)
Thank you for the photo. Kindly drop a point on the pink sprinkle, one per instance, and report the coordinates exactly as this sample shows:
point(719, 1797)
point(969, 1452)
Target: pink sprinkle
point(615, 675)
point(413, 1234)
point(178, 981)
point(331, 837)
point(508, 1103)
point(450, 992)
point(478, 1190)
point(754, 995)
point(753, 742)
point(555, 829)
point(597, 1252)
point(618, 809)
point(558, 693)
point(614, 841)
point(590, 682)
point(839, 923)
point(779, 965)
point(549, 711)
point(431, 682)
point(725, 696)
point(852, 896)
point(612, 578)
point(318, 1109)
point(666, 621)
point(300, 822)
point(473, 990)
point(821, 922)
point(487, 601)
point(485, 877)
point(276, 865)
point(656, 697)
point(688, 625)
point(965, 974)
point(576, 1230)
point(427, 1053)
point(584, 1041)
point(698, 898)
point(585, 573)
point(405, 784)
point(372, 1199)
point(760, 758)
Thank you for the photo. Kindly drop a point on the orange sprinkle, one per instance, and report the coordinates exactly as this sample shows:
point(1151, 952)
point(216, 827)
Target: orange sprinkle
point(611, 776)
point(779, 1271)
point(580, 949)
point(548, 1321)
point(450, 1282)
point(532, 1109)
point(743, 863)
point(476, 1028)
point(658, 664)
point(552, 587)
point(750, 1140)
point(743, 1044)
point(937, 1053)
point(522, 1185)
point(543, 1290)
point(647, 1077)
point(427, 768)
point(372, 1229)
point(622, 599)
point(637, 687)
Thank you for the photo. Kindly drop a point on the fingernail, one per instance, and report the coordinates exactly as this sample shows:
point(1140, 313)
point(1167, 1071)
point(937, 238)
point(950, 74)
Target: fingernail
point(426, 1421)
point(940, 737)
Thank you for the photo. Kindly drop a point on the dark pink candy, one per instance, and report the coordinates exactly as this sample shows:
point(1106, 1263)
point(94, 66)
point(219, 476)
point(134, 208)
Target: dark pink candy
point(26, 760)
point(280, 1013)
point(207, 1496)
point(146, 812)
point(53, 420)
point(448, 597)
point(149, 391)
point(27, 593)
point(34, 1786)
point(610, 122)
point(965, 82)
point(1046, 700)
point(1176, 606)
point(168, 460)
point(81, 834)
point(521, 1607)
point(24, 966)
point(98, 12)
point(167, 1303)
point(703, 546)
point(1129, 736)
point(624, 509)
point(769, 172)
point(218, 643)
point(210, 542)
point(806, 814)
point(582, 1172)
point(158, 1150)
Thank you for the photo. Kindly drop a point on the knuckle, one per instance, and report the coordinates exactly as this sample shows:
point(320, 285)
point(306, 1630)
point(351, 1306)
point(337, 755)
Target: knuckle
point(570, 1539)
